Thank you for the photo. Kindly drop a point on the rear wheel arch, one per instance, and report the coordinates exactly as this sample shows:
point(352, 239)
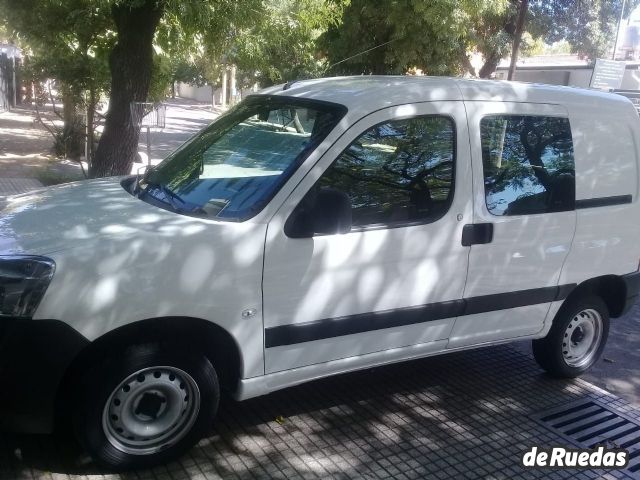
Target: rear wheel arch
point(610, 288)
point(216, 343)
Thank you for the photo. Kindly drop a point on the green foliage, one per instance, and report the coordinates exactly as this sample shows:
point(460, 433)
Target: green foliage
point(490, 28)
point(190, 72)
point(162, 75)
point(73, 41)
point(281, 44)
point(68, 41)
point(49, 176)
point(530, 46)
point(65, 40)
point(435, 36)
point(68, 139)
point(438, 36)
point(589, 26)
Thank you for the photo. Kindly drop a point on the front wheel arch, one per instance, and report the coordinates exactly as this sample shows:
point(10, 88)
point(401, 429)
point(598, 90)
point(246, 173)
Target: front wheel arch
point(216, 343)
point(144, 405)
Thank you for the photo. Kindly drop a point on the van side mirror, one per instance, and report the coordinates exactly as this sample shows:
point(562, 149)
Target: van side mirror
point(326, 211)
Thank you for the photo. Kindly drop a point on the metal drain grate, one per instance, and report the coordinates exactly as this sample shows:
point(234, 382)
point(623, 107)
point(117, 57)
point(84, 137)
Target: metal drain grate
point(588, 423)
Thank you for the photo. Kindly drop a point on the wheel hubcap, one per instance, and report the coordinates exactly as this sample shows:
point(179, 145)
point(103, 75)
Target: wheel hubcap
point(151, 410)
point(582, 338)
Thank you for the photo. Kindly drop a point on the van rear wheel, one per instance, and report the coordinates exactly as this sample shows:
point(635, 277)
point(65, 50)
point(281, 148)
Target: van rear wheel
point(146, 406)
point(576, 339)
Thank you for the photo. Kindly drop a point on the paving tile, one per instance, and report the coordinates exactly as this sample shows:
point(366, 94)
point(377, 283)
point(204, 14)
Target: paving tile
point(464, 415)
point(14, 186)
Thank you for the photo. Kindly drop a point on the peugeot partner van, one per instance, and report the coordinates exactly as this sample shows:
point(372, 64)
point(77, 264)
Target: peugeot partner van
point(316, 228)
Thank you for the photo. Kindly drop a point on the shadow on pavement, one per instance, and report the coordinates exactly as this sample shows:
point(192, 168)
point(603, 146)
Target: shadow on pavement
point(464, 414)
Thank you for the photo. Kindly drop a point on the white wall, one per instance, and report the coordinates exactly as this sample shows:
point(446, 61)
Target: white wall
point(575, 77)
point(580, 78)
point(203, 94)
point(200, 94)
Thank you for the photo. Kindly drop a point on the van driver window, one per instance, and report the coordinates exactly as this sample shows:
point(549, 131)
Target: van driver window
point(528, 164)
point(398, 172)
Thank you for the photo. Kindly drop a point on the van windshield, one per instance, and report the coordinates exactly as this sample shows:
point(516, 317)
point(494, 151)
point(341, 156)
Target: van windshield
point(232, 168)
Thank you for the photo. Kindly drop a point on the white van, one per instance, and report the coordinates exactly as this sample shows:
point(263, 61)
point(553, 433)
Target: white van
point(318, 227)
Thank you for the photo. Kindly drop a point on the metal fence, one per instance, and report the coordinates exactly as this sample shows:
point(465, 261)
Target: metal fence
point(148, 115)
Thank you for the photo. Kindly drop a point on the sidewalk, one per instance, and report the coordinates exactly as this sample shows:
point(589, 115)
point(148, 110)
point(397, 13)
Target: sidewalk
point(465, 415)
point(14, 186)
point(184, 119)
point(25, 145)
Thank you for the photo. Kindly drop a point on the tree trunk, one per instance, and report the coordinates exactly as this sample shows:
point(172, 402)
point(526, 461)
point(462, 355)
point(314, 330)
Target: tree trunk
point(91, 113)
point(131, 62)
point(490, 65)
point(522, 13)
point(379, 64)
point(72, 130)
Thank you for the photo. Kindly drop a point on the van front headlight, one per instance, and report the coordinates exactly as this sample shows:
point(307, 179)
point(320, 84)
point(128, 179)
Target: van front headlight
point(23, 281)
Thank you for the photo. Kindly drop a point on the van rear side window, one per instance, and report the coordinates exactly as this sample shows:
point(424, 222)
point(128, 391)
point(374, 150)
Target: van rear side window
point(528, 164)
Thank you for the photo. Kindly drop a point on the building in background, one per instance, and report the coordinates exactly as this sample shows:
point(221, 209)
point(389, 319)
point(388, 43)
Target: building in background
point(564, 70)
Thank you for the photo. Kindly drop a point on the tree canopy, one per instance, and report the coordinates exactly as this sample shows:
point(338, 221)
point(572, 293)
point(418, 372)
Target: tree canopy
point(69, 42)
point(589, 26)
point(132, 50)
point(282, 44)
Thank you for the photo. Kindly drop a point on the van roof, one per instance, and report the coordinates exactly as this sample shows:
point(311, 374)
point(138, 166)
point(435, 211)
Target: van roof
point(374, 92)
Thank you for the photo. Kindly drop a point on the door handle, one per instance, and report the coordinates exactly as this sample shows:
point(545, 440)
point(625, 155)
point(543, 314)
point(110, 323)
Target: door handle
point(477, 234)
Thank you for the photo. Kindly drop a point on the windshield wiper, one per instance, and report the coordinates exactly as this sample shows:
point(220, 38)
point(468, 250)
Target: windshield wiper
point(169, 199)
point(169, 194)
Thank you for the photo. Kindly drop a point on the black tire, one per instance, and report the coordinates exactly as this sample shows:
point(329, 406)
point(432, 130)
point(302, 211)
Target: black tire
point(548, 351)
point(100, 383)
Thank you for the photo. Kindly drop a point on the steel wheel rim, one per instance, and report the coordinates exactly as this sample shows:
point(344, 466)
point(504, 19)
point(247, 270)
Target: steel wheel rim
point(582, 338)
point(151, 410)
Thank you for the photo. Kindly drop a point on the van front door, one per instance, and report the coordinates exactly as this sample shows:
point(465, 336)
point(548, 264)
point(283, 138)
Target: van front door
point(397, 277)
point(523, 219)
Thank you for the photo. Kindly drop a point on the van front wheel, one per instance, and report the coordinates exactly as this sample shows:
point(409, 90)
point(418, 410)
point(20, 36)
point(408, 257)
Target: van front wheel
point(576, 339)
point(146, 406)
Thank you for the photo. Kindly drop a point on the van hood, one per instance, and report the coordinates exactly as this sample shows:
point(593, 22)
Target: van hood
point(71, 215)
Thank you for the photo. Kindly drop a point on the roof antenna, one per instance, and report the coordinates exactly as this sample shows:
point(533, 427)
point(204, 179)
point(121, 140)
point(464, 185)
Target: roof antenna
point(288, 85)
point(361, 53)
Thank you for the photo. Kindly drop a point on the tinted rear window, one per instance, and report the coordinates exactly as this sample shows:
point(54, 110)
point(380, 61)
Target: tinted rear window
point(528, 164)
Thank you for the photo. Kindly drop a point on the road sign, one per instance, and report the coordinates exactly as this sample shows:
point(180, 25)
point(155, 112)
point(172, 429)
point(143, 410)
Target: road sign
point(607, 74)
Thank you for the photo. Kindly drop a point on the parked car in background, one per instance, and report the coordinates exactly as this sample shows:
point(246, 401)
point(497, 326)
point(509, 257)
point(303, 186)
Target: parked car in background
point(319, 227)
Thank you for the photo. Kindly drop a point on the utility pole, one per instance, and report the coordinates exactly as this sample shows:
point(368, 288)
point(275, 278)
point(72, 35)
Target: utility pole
point(615, 45)
point(522, 14)
point(223, 96)
point(232, 86)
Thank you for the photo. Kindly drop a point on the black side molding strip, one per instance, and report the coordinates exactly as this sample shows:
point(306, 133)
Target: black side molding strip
point(366, 322)
point(604, 201)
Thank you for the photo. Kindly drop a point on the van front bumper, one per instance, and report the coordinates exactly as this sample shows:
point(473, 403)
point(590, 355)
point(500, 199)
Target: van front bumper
point(632, 284)
point(34, 356)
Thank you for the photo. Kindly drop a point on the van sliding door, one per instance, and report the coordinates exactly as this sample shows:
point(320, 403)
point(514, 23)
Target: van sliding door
point(523, 219)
